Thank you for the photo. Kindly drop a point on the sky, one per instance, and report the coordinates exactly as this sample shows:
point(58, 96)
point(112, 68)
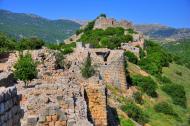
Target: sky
point(175, 13)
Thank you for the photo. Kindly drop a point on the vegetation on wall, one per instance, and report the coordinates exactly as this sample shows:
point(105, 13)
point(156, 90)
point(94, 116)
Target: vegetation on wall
point(110, 38)
point(87, 70)
point(131, 57)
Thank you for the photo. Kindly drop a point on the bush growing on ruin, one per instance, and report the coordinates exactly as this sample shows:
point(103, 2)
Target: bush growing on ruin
point(166, 108)
point(177, 93)
point(60, 60)
point(89, 26)
point(131, 31)
point(25, 69)
point(131, 57)
point(110, 38)
point(87, 69)
point(135, 112)
point(103, 15)
point(141, 53)
point(138, 97)
point(146, 84)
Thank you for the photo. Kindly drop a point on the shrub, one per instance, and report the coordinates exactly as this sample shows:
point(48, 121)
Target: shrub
point(177, 94)
point(135, 113)
point(141, 53)
point(138, 97)
point(131, 57)
point(60, 60)
point(110, 38)
point(87, 70)
point(156, 58)
point(25, 69)
point(164, 107)
point(79, 31)
point(31, 43)
point(178, 73)
point(6, 44)
point(131, 31)
point(124, 122)
point(146, 84)
point(89, 26)
point(103, 15)
point(53, 46)
point(67, 51)
point(164, 79)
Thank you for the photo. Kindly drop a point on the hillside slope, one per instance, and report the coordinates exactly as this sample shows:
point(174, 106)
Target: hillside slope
point(28, 25)
point(161, 32)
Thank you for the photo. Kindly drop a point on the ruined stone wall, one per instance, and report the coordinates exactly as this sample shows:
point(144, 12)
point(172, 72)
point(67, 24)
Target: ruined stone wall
point(111, 71)
point(96, 100)
point(114, 73)
point(104, 23)
point(10, 111)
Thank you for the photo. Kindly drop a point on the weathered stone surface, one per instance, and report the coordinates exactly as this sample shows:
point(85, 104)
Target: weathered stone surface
point(104, 23)
point(10, 111)
point(6, 79)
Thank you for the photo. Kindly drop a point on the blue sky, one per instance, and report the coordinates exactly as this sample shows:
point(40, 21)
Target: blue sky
point(174, 13)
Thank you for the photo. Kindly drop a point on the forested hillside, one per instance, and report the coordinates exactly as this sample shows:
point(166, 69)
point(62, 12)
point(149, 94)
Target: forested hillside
point(22, 25)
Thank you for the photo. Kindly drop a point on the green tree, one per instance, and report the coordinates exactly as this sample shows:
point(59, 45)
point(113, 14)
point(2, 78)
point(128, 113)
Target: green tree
point(164, 107)
point(138, 97)
point(177, 93)
point(87, 69)
point(25, 69)
point(6, 43)
point(60, 60)
point(135, 113)
point(131, 57)
point(146, 84)
point(103, 15)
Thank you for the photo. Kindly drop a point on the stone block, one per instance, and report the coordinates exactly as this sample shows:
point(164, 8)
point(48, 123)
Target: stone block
point(42, 119)
point(32, 120)
point(62, 117)
point(51, 123)
point(71, 122)
point(54, 118)
point(48, 118)
point(2, 108)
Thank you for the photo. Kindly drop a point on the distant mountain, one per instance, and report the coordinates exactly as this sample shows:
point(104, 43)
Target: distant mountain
point(29, 25)
point(160, 32)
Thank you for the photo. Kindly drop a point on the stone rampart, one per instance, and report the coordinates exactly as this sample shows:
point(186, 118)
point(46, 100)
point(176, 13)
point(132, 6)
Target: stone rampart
point(10, 111)
point(96, 100)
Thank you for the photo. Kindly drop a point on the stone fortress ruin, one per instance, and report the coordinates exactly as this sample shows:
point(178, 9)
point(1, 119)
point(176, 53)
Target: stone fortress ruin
point(63, 97)
point(104, 23)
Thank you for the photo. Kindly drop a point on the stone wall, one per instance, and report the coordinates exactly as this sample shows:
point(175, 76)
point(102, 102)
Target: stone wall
point(6, 79)
point(96, 100)
point(104, 23)
point(10, 111)
point(111, 69)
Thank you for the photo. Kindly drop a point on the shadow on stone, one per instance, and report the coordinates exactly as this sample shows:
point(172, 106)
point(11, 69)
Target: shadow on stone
point(89, 116)
point(113, 119)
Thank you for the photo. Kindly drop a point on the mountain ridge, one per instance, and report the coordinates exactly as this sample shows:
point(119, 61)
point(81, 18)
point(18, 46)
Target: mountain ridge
point(22, 25)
